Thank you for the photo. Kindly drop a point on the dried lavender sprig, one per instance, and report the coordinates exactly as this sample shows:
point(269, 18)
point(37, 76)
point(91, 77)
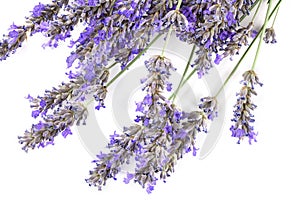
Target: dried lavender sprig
point(122, 147)
point(18, 34)
point(203, 62)
point(158, 139)
point(243, 116)
point(74, 91)
point(61, 108)
point(60, 121)
point(270, 36)
point(185, 137)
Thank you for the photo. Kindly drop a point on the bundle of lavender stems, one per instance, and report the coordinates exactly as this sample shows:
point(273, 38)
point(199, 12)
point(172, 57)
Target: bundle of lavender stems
point(116, 34)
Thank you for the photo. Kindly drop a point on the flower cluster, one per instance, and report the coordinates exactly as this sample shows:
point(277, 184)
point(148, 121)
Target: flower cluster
point(116, 33)
point(244, 106)
point(162, 135)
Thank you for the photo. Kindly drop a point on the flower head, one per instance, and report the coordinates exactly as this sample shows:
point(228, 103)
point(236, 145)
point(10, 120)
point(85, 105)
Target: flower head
point(209, 107)
point(38, 9)
point(243, 117)
point(270, 36)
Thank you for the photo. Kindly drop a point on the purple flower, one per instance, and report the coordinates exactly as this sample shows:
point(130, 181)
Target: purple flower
point(181, 134)
point(39, 126)
point(100, 105)
point(195, 151)
point(71, 59)
point(149, 189)
point(254, 33)
point(162, 112)
point(89, 76)
point(44, 26)
point(66, 132)
point(113, 139)
point(128, 178)
point(169, 87)
point(29, 97)
point(72, 75)
point(218, 59)
point(146, 122)
point(13, 34)
point(270, 35)
point(43, 103)
point(80, 2)
point(91, 2)
point(208, 43)
point(35, 113)
point(224, 35)
point(139, 107)
point(240, 134)
point(148, 100)
point(37, 10)
point(230, 19)
point(177, 115)
point(168, 129)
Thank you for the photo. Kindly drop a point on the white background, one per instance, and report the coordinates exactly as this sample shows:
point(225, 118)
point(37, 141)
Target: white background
point(266, 170)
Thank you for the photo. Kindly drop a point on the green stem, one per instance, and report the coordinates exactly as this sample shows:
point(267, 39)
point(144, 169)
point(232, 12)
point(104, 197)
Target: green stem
point(112, 65)
point(275, 17)
point(178, 4)
point(167, 41)
point(256, 11)
point(262, 35)
point(133, 61)
point(184, 74)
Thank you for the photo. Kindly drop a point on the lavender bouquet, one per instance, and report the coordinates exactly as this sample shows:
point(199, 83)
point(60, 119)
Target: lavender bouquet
point(116, 34)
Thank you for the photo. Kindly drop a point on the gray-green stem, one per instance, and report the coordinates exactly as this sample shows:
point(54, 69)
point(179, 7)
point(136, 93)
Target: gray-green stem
point(256, 11)
point(184, 74)
point(275, 17)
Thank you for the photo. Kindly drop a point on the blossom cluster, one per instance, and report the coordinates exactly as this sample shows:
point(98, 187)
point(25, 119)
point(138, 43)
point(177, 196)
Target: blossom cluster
point(118, 32)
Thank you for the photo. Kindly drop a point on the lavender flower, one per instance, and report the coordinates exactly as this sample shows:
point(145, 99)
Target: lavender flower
point(209, 107)
point(35, 23)
point(43, 133)
point(38, 9)
point(243, 116)
point(203, 62)
point(176, 19)
point(270, 36)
